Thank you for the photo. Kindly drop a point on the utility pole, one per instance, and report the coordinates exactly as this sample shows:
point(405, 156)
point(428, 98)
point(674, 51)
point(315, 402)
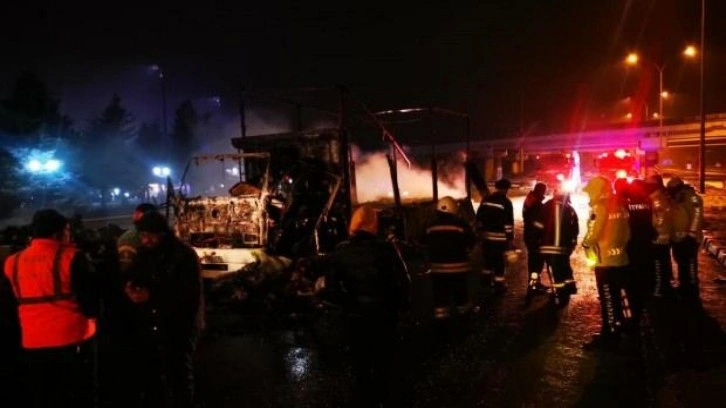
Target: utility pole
point(702, 139)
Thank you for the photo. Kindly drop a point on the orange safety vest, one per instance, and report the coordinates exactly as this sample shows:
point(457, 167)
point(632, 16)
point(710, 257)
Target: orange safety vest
point(41, 279)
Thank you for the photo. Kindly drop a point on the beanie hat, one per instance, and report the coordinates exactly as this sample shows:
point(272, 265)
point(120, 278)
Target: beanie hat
point(153, 222)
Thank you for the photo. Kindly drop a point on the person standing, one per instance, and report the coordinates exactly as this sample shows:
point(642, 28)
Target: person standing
point(640, 247)
point(164, 283)
point(608, 232)
point(495, 225)
point(560, 227)
point(448, 241)
point(663, 224)
point(57, 298)
point(11, 344)
point(365, 278)
point(687, 234)
point(117, 326)
point(129, 242)
point(531, 212)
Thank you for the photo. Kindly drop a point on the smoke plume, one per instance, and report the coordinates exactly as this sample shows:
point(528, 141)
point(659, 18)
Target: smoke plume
point(373, 179)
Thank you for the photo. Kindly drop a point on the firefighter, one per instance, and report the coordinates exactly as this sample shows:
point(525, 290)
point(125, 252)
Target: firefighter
point(608, 232)
point(687, 223)
point(495, 225)
point(640, 254)
point(449, 240)
point(663, 223)
point(559, 225)
point(531, 212)
point(56, 290)
point(365, 278)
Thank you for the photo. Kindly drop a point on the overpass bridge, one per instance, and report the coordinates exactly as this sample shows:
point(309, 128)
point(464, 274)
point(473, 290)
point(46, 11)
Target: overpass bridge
point(648, 138)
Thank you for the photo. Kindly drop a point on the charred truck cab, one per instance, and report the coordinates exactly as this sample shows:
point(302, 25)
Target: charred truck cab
point(224, 227)
point(286, 199)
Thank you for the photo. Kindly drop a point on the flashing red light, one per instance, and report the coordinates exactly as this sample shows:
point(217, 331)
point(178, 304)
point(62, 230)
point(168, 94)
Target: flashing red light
point(621, 154)
point(621, 174)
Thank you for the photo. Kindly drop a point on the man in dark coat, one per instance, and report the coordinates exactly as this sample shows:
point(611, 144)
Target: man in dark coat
point(165, 285)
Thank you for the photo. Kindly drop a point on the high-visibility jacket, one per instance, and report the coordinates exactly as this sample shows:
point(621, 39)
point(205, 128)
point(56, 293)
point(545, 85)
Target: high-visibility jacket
point(41, 279)
point(687, 215)
point(608, 229)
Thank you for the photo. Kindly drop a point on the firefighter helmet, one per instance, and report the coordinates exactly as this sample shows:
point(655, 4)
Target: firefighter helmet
point(447, 205)
point(365, 218)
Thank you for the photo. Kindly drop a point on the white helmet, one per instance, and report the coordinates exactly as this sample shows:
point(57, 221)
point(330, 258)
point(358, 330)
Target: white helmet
point(447, 205)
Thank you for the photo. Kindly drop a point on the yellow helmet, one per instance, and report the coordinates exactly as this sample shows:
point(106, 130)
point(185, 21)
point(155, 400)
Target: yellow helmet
point(365, 218)
point(598, 187)
point(447, 205)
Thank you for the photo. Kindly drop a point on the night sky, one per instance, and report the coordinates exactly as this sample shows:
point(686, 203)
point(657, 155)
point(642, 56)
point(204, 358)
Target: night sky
point(542, 63)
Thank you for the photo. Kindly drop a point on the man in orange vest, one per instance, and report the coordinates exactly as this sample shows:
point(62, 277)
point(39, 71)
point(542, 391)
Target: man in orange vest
point(57, 296)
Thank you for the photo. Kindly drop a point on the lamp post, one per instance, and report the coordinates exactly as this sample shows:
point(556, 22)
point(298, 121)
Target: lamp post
point(702, 138)
point(633, 59)
point(158, 69)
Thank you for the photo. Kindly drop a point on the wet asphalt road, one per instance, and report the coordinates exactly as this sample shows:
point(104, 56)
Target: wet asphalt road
point(506, 355)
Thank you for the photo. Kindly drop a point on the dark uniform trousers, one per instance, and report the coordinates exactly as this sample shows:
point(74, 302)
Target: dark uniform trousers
point(493, 254)
point(448, 286)
point(686, 254)
point(663, 273)
point(65, 374)
point(561, 268)
point(640, 281)
point(535, 260)
point(611, 286)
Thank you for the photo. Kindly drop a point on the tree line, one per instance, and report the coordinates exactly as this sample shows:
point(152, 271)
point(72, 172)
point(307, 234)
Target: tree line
point(110, 151)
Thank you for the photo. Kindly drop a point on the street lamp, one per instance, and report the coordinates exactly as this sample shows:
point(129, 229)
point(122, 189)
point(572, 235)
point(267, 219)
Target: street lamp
point(633, 59)
point(50, 166)
point(161, 171)
point(46, 168)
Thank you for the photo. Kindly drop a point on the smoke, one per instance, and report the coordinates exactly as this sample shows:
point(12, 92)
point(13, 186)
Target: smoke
point(373, 179)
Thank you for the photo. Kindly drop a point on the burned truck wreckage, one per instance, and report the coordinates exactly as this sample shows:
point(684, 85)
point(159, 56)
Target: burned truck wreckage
point(284, 200)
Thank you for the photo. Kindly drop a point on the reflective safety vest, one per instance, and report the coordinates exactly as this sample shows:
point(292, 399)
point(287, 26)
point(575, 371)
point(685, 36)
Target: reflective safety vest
point(41, 279)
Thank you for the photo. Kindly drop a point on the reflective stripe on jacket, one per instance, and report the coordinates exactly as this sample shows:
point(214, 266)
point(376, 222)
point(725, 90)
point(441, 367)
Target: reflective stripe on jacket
point(41, 279)
point(608, 232)
point(448, 241)
point(559, 225)
point(495, 218)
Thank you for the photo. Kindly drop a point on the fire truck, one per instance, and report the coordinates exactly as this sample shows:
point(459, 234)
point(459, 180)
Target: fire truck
point(618, 164)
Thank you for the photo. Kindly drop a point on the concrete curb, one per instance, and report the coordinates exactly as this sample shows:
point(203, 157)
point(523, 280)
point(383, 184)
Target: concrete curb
point(716, 247)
